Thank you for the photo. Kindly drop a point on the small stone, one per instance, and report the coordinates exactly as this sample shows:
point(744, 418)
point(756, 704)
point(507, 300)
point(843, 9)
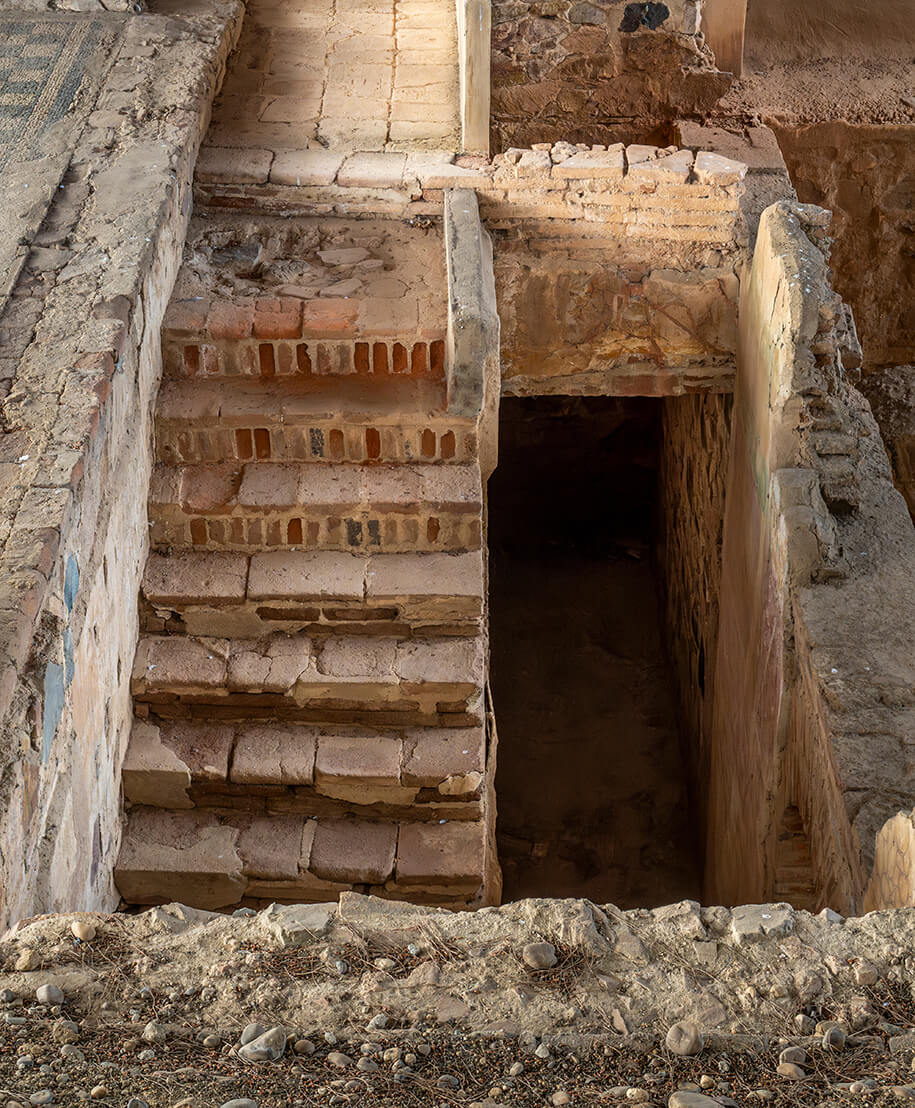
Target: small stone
point(795, 1054)
point(212, 1041)
point(448, 1081)
point(251, 1032)
point(865, 974)
point(135, 1102)
point(903, 1092)
point(834, 1038)
point(68, 1050)
point(27, 960)
point(366, 1065)
point(379, 1022)
point(98, 1092)
point(542, 1051)
point(516, 1070)
point(154, 1032)
point(65, 1031)
point(7, 996)
point(49, 994)
point(636, 1096)
point(240, 1102)
point(43, 1096)
point(539, 956)
point(684, 1038)
point(706, 1082)
point(268, 1047)
point(804, 1024)
point(790, 1070)
point(685, 1098)
point(304, 1046)
point(146, 1056)
point(560, 1097)
point(83, 930)
point(339, 1061)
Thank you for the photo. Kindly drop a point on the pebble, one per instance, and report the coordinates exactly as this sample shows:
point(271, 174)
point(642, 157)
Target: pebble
point(542, 1051)
point(268, 1047)
point(378, 1023)
point(560, 1097)
point(903, 1092)
point(865, 974)
point(706, 1082)
point(241, 1102)
point(27, 960)
point(98, 1092)
point(834, 1038)
point(7, 996)
point(367, 1065)
point(539, 956)
point(135, 1102)
point(516, 1070)
point(795, 1054)
point(636, 1096)
point(83, 930)
point(68, 1050)
point(304, 1046)
point(448, 1081)
point(804, 1024)
point(685, 1039)
point(153, 1032)
point(251, 1032)
point(338, 1060)
point(212, 1040)
point(790, 1070)
point(683, 1098)
point(43, 1096)
point(49, 994)
point(146, 1056)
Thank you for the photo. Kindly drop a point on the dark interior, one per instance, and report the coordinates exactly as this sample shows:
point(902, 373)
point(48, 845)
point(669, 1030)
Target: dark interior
point(591, 787)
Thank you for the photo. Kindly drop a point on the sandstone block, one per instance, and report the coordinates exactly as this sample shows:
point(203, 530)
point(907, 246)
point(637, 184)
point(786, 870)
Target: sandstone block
point(152, 772)
point(177, 663)
point(211, 577)
point(353, 851)
point(434, 755)
point(179, 856)
point(440, 854)
point(372, 171)
point(274, 753)
point(305, 167)
point(713, 169)
point(357, 760)
point(270, 847)
point(301, 574)
point(233, 165)
point(403, 575)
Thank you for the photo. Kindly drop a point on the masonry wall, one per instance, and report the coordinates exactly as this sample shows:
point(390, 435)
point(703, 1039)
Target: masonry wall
point(80, 403)
point(570, 69)
point(695, 440)
point(814, 675)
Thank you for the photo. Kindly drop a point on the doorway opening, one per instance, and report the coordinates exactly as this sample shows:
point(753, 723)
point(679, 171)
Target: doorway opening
point(593, 797)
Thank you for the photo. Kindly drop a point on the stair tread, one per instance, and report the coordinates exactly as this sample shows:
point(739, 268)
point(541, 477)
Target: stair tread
point(213, 860)
point(224, 577)
point(343, 486)
point(358, 765)
point(285, 663)
point(237, 400)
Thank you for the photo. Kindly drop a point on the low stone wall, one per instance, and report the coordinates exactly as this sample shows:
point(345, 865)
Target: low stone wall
point(814, 675)
point(77, 455)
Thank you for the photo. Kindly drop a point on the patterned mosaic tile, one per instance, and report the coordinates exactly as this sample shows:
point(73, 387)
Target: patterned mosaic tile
point(43, 62)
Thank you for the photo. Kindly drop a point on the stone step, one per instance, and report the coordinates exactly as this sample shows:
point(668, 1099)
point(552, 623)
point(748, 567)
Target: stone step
point(288, 338)
point(270, 768)
point(338, 679)
point(213, 860)
point(345, 420)
point(236, 595)
point(263, 505)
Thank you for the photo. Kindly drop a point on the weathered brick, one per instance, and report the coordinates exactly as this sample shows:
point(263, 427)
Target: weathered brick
point(353, 851)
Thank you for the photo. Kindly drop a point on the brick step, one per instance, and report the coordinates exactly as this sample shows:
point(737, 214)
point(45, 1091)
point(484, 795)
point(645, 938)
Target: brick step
point(263, 505)
point(345, 420)
point(236, 595)
point(216, 860)
point(268, 768)
point(288, 338)
point(341, 678)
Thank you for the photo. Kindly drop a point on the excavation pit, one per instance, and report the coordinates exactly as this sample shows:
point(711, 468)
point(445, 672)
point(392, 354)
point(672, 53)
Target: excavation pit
point(592, 788)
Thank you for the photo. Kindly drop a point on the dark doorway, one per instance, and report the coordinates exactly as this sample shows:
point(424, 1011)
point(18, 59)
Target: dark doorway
point(591, 789)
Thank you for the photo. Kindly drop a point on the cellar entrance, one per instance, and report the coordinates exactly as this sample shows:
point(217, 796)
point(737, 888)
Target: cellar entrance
point(591, 785)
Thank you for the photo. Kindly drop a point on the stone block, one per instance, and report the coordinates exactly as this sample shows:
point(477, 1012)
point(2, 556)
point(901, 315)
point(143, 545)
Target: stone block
point(274, 754)
point(608, 164)
point(270, 847)
point(433, 755)
point(224, 165)
point(305, 167)
point(301, 574)
point(358, 760)
point(372, 171)
point(713, 169)
point(405, 575)
point(152, 772)
point(440, 854)
point(210, 577)
point(353, 851)
point(175, 663)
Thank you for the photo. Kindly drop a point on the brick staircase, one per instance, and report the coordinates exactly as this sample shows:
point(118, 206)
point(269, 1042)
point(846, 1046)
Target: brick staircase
point(310, 680)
